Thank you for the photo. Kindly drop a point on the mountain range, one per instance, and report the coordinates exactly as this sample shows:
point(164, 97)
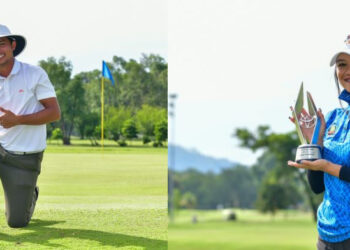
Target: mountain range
point(191, 158)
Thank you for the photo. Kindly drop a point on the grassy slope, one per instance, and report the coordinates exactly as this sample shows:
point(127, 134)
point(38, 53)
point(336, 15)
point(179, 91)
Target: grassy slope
point(91, 200)
point(253, 231)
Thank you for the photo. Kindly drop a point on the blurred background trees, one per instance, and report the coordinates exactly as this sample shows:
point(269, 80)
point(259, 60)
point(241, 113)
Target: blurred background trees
point(268, 185)
point(136, 107)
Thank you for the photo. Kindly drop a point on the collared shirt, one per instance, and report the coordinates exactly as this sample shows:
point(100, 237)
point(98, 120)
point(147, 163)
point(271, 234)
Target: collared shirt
point(20, 93)
point(334, 212)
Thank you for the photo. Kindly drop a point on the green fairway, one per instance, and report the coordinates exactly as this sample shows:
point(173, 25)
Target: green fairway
point(288, 230)
point(96, 199)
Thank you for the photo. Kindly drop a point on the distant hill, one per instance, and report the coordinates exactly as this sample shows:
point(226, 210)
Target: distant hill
point(190, 158)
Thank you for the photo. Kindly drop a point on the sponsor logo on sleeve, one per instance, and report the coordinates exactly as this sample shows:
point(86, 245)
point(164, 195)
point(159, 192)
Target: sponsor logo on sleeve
point(331, 130)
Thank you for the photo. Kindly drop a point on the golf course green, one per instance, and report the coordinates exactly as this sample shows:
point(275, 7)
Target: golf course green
point(93, 198)
point(251, 231)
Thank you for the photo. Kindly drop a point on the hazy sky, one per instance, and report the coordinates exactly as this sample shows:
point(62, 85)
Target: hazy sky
point(87, 31)
point(239, 63)
point(234, 63)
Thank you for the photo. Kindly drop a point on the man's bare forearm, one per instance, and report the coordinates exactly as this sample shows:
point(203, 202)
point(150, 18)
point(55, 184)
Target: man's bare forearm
point(42, 117)
point(50, 113)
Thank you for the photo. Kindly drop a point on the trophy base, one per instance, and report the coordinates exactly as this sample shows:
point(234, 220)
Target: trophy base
point(309, 152)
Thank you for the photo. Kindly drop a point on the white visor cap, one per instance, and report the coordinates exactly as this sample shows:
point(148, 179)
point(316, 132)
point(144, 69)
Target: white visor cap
point(334, 58)
point(344, 50)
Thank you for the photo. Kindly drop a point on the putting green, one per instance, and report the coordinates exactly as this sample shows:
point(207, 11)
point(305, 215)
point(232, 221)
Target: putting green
point(91, 199)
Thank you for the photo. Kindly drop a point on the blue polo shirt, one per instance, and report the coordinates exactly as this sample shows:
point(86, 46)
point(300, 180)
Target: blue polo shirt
point(334, 212)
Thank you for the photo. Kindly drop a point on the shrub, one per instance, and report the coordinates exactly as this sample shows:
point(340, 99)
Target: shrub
point(146, 139)
point(122, 143)
point(56, 134)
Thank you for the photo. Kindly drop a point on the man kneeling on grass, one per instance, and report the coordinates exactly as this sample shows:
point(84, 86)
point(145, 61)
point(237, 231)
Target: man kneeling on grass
point(27, 102)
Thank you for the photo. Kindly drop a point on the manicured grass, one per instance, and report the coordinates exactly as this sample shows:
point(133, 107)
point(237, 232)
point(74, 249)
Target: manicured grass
point(253, 231)
point(94, 199)
point(107, 143)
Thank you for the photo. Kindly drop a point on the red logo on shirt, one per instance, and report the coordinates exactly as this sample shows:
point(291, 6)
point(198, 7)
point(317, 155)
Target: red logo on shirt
point(21, 91)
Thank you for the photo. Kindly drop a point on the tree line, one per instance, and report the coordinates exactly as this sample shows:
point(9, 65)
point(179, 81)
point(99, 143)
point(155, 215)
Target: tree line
point(233, 187)
point(268, 185)
point(136, 107)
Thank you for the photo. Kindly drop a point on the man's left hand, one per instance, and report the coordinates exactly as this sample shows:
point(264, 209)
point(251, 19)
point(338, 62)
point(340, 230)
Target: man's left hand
point(8, 119)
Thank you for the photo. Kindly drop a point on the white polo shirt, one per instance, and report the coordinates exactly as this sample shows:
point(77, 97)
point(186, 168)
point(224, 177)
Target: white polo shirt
point(20, 93)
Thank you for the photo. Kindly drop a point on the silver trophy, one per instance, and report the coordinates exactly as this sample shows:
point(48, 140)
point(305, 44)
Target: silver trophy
point(309, 149)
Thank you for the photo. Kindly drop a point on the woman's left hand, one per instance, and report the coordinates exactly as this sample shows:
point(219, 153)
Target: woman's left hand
point(318, 165)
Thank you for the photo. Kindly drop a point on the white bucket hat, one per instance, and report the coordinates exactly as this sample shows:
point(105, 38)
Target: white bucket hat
point(345, 50)
point(20, 40)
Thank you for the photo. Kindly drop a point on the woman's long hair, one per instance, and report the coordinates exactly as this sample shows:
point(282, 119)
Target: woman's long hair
point(337, 85)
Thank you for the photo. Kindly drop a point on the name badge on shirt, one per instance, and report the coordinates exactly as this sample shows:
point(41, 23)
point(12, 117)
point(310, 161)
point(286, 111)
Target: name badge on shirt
point(331, 130)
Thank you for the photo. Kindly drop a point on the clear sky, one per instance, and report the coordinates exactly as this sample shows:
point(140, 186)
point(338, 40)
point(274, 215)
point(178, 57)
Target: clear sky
point(87, 31)
point(239, 63)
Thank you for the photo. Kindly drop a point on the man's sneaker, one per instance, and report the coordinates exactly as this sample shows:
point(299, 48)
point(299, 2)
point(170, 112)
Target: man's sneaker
point(35, 198)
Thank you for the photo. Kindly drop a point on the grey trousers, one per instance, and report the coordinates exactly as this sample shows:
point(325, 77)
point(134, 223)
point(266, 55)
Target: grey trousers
point(18, 174)
point(324, 245)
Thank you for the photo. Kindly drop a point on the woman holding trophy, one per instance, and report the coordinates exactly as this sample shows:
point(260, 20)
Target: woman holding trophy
point(331, 174)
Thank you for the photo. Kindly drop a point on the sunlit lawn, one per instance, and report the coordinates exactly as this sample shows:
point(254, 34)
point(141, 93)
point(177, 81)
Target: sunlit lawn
point(96, 199)
point(252, 230)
